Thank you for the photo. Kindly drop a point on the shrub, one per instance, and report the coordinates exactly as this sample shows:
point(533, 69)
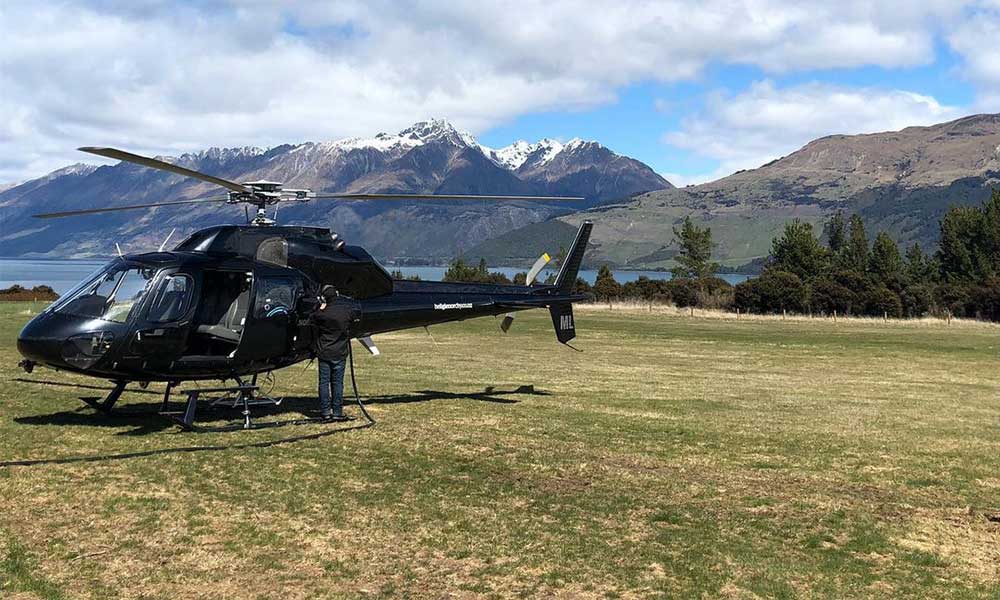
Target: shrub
point(20, 293)
point(397, 274)
point(984, 300)
point(827, 296)
point(461, 271)
point(883, 301)
point(852, 280)
point(773, 292)
point(918, 300)
point(954, 298)
point(683, 292)
point(714, 292)
point(645, 288)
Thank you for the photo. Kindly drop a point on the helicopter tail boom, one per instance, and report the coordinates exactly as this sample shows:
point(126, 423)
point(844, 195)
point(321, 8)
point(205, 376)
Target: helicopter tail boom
point(571, 265)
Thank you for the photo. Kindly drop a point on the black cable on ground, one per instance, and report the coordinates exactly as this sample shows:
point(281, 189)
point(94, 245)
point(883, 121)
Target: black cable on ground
point(354, 386)
point(184, 449)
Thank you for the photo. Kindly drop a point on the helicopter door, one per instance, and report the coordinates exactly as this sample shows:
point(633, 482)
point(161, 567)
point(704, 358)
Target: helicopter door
point(163, 335)
point(271, 322)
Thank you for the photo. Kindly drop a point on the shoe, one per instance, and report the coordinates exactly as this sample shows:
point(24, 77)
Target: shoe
point(340, 418)
point(326, 416)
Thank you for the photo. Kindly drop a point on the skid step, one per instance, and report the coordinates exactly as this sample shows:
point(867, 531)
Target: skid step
point(244, 394)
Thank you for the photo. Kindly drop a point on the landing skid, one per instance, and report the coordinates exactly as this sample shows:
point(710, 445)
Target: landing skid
point(240, 395)
point(235, 399)
point(109, 401)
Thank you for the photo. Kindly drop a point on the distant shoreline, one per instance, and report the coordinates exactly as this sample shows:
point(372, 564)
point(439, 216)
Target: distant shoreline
point(744, 269)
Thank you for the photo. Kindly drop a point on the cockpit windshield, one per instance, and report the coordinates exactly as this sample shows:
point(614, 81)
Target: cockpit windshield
point(112, 294)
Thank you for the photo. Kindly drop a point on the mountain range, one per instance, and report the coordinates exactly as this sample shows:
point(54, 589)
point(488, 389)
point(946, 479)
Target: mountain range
point(428, 157)
point(901, 182)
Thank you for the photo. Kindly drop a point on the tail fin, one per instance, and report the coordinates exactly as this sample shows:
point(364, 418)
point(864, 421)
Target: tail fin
point(571, 264)
point(562, 320)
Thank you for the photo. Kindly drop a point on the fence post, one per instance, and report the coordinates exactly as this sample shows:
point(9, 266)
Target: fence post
point(885, 316)
point(692, 309)
point(784, 313)
point(737, 313)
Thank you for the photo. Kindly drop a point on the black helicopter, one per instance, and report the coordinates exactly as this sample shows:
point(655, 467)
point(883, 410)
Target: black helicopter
point(233, 301)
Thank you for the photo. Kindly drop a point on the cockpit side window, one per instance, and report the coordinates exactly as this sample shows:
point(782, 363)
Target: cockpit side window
point(128, 294)
point(111, 295)
point(172, 298)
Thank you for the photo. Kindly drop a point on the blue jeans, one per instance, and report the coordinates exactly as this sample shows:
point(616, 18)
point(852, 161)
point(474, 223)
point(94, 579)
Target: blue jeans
point(331, 378)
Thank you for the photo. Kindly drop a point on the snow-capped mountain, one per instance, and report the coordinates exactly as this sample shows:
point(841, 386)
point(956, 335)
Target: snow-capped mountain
point(516, 154)
point(427, 157)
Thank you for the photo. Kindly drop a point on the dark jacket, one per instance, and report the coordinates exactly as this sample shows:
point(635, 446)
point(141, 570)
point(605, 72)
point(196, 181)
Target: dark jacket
point(333, 335)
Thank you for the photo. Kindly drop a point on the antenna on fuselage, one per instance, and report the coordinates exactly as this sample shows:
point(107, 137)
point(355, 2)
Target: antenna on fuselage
point(167, 239)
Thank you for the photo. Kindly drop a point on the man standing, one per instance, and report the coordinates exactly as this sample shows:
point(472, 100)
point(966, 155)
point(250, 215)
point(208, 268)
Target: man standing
point(333, 322)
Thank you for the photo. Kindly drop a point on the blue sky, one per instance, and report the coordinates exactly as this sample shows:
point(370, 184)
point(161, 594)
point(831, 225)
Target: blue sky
point(629, 124)
point(696, 90)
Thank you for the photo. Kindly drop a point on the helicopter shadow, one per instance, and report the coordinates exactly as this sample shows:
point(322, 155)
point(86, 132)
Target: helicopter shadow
point(143, 417)
point(489, 394)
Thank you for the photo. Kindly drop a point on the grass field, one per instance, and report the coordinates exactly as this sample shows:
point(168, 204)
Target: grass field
point(674, 456)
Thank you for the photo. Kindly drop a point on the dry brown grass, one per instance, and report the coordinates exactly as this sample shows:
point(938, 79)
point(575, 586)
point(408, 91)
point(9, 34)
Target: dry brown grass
point(663, 309)
point(675, 456)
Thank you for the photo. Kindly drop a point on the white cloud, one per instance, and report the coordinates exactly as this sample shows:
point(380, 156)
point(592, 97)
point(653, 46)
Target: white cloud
point(975, 39)
point(159, 76)
point(765, 122)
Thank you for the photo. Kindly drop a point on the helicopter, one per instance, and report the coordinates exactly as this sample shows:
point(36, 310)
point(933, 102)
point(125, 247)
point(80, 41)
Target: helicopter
point(234, 301)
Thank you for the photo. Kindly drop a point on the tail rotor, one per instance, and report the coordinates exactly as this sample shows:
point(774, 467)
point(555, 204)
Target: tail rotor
point(543, 260)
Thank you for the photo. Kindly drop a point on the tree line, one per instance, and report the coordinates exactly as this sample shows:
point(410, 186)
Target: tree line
point(847, 275)
point(836, 270)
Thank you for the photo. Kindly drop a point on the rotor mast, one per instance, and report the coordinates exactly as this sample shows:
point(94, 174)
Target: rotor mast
point(264, 194)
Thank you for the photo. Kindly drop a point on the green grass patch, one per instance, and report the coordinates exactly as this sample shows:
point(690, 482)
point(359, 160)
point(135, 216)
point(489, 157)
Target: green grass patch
point(674, 457)
point(19, 573)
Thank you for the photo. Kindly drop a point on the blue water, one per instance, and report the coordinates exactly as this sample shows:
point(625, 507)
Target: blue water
point(62, 275)
point(436, 273)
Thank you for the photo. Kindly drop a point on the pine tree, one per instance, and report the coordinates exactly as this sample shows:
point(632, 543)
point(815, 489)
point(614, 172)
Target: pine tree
point(835, 232)
point(605, 286)
point(969, 249)
point(798, 251)
point(857, 254)
point(920, 268)
point(695, 256)
point(886, 264)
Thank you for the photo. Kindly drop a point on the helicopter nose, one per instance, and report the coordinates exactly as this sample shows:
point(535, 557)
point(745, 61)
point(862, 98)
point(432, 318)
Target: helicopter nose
point(35, 346)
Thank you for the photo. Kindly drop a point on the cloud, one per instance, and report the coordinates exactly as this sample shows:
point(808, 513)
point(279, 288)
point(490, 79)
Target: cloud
point(166, 77)
point(748, 129)
point(974, 39)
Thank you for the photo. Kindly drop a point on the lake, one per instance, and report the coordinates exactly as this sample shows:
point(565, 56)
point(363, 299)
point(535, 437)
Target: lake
point(63, 274)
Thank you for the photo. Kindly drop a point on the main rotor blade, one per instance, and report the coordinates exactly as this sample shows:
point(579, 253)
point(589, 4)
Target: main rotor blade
point(332, 196)
point(164, 166)
point(90, 211)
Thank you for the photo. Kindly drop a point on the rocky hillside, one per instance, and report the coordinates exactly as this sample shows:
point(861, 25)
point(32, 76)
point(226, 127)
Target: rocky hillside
point(428, 157)
point(900, 181)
